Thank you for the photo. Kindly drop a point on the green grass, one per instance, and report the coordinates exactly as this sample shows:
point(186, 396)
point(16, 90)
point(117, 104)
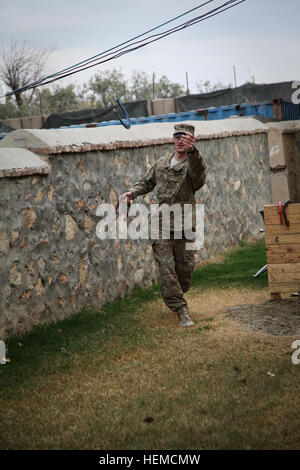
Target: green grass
point(237, 269)
point(50, 347)
point(58, 346)
point(93, 380)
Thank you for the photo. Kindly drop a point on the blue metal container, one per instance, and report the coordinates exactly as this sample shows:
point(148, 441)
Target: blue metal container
point(275, 109)
point(290, 111)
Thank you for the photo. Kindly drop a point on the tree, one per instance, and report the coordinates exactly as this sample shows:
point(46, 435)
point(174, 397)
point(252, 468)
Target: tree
point(206, 87)
point(140, 86)
point(21, 64)
point(166, 89)
point(105, 87)
point(145, 87)
point(9, 109)
point(55, 100)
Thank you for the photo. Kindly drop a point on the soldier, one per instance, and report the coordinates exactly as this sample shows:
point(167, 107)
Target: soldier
point(176, 178)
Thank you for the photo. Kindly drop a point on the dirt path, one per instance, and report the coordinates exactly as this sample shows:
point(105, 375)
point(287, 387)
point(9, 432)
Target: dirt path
point(278, 317)
point(252, 309)
point(227, 383)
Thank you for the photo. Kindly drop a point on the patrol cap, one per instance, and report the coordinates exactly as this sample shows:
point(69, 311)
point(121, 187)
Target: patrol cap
point(183, 129)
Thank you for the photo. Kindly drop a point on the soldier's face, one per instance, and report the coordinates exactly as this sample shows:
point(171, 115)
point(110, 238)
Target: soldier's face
point(180, 146)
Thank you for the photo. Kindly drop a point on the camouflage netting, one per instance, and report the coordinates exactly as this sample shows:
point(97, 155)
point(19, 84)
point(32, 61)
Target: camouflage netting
point(247, 93)
point(85, 116)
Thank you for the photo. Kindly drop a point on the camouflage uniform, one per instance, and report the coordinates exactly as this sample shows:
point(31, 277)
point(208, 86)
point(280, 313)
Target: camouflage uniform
point(176, 184)
point(176, 265)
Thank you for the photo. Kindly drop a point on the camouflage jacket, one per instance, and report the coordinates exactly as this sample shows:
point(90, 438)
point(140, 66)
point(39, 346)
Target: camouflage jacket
point(176, 184)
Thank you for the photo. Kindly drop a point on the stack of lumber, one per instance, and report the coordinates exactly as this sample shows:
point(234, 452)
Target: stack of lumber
point(283, 249)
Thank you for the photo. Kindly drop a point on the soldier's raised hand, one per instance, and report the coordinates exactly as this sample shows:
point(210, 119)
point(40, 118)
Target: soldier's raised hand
point(188, 140)
point(126, 197)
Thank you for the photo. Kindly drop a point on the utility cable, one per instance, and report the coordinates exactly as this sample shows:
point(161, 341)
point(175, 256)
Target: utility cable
point(121, 52)
point(108, 55)
point(108, 50)
point(158, 36)
point(126, 42)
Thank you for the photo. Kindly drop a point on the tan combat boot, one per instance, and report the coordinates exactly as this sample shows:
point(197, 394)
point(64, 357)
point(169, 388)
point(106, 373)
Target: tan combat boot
point(184, 319)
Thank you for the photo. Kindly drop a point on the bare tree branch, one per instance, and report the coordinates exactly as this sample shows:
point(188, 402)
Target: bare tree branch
point(21, 64)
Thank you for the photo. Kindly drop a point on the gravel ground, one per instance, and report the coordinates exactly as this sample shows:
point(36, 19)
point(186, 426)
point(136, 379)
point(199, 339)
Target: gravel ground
point(276, 317)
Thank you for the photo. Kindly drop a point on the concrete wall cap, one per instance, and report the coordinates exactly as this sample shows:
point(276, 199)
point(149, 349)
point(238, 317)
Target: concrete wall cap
point(53, 141)
point(21, 162)
point(284, 126)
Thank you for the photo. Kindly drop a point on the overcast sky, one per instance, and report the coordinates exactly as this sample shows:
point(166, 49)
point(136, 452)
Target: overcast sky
point(260, 37)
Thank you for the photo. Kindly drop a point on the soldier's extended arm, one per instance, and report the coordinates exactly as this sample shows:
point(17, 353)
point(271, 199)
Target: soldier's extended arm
point(197, 168)
point(144, 185)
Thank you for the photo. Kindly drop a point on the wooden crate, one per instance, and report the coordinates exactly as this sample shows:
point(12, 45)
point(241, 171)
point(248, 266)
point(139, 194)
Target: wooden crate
point(283, 250)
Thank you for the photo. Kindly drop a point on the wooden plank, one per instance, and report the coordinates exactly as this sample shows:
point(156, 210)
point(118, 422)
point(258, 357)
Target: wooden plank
point(283, 253)
point(284, 238)
point(271, 214)
point(274, 219)
point(283, 277)
point(284, 287)
point(275, 296)
point(284, 268)
point(294, 208)
point(275, 228)
point(272, 208)
point(286, 278)
point(283, 249)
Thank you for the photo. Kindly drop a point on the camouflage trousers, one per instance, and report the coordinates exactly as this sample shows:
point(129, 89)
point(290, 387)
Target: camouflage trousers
point(176, 265)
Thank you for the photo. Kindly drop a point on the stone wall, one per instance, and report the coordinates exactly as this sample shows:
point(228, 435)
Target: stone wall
point(51, 261)
point(284, 148)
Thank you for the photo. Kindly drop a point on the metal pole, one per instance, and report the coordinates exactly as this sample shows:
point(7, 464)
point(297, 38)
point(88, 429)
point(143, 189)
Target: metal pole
point(234, 73)
point(187, 83)
point(41, 109)
point(153, 86)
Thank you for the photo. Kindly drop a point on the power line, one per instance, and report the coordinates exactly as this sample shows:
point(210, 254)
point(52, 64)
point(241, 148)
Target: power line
point(159, 35)
point(155, 37)
point(108, 50)
point(126, 42)
point(119, 51)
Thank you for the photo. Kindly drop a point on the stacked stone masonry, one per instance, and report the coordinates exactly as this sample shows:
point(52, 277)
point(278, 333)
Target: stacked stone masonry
point(52, 263)
point(284, 149)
